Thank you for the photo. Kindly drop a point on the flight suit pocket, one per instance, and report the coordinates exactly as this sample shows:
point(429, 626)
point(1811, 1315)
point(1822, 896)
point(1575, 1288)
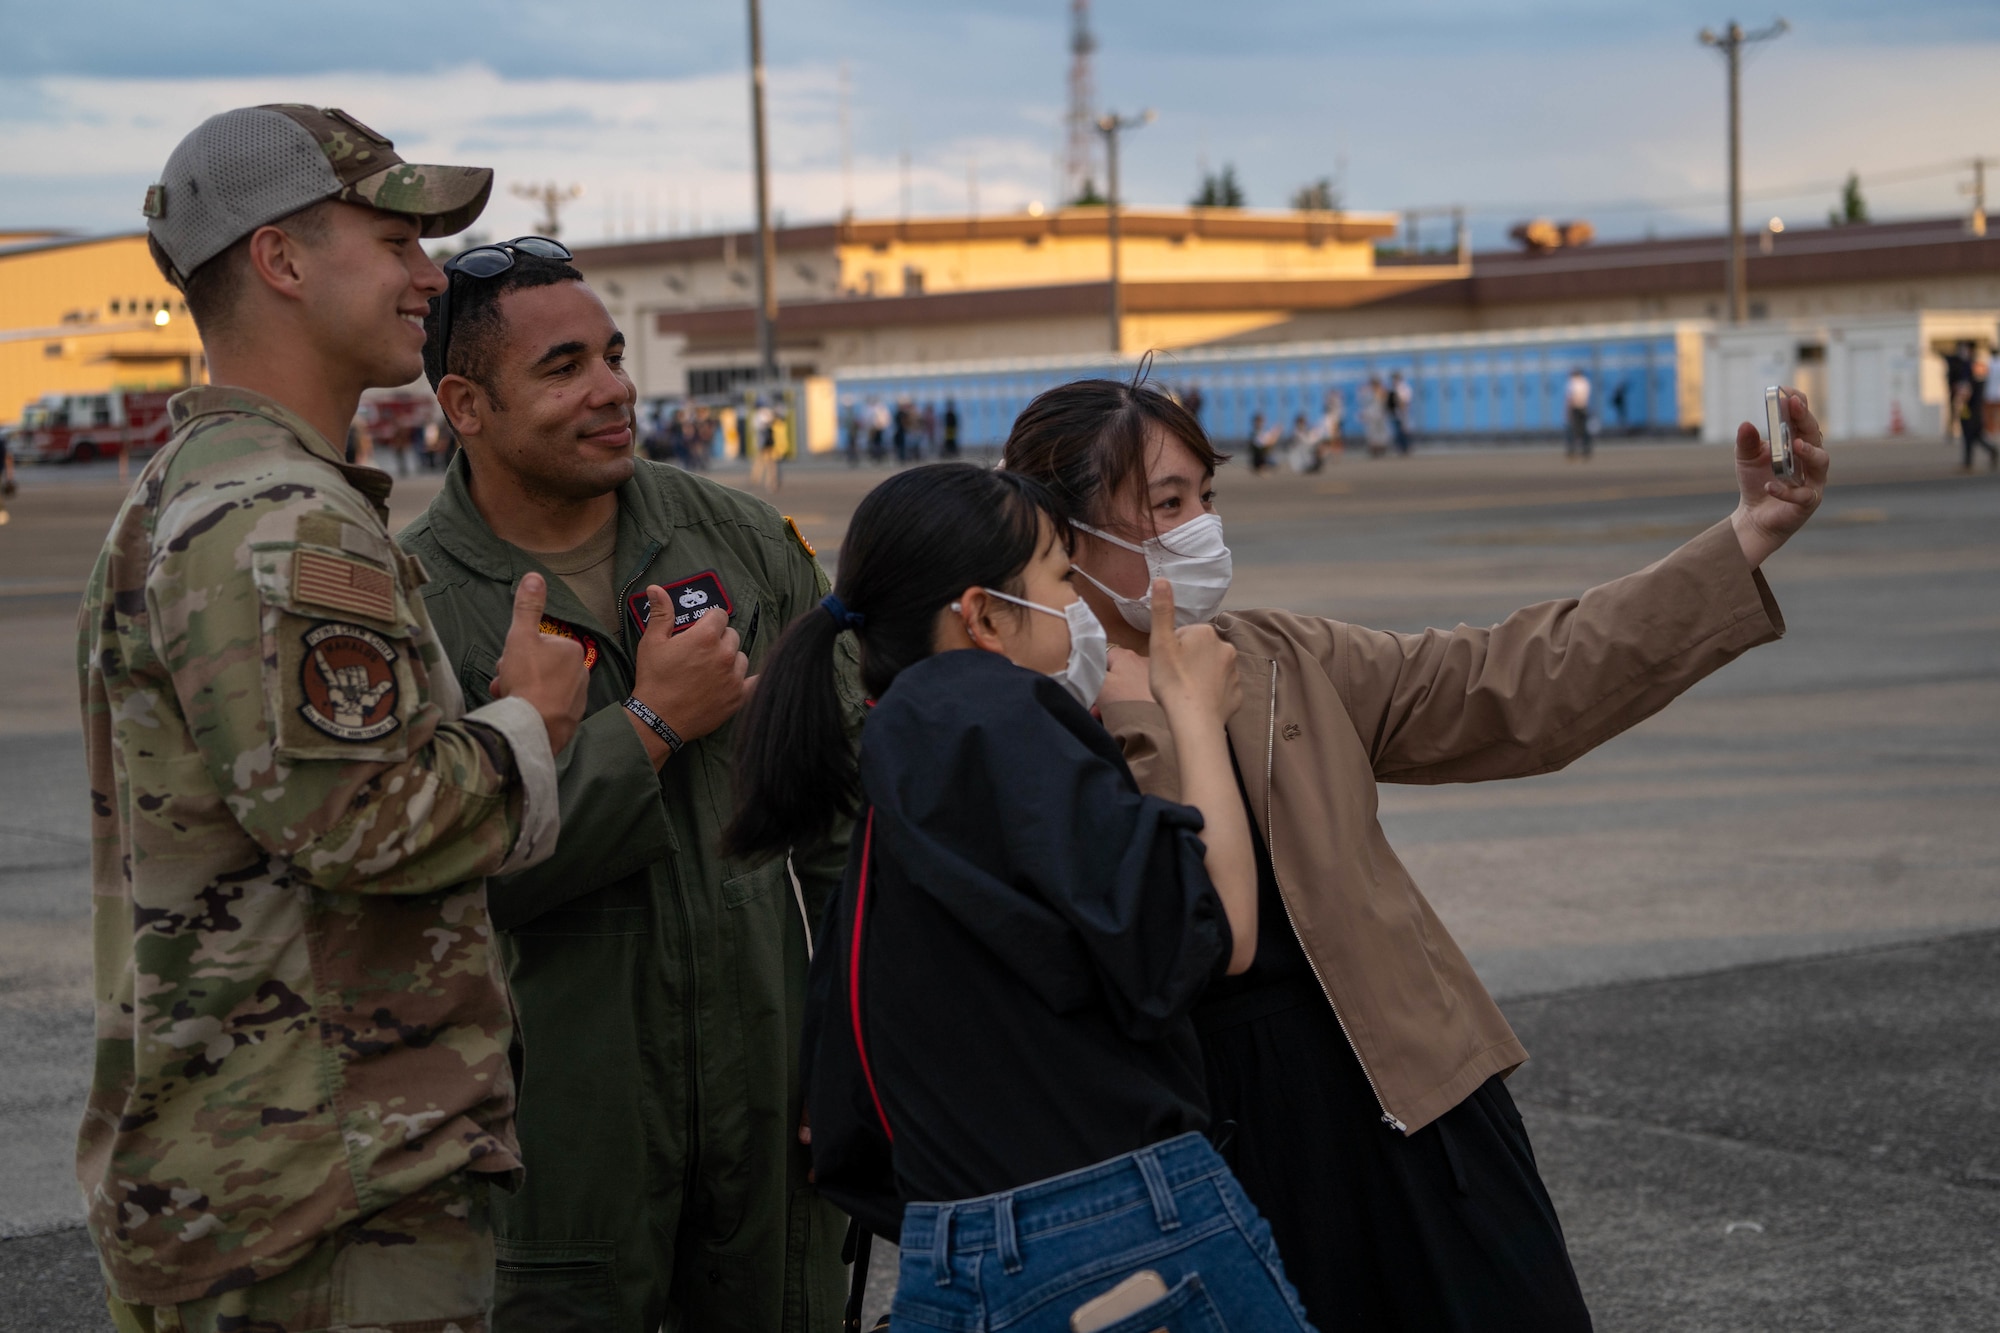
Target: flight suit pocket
point(554, 1284)
point(475, 675)
point(343, 674)
point(761, 910)
point(749, 1125)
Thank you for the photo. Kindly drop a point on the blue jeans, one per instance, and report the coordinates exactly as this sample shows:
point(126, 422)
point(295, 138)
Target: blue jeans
point(1023, 1260)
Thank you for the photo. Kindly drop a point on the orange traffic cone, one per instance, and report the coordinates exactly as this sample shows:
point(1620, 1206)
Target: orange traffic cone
point(1896, 416)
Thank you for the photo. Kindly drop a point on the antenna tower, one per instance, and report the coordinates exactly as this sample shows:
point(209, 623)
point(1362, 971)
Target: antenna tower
point(1079, 175)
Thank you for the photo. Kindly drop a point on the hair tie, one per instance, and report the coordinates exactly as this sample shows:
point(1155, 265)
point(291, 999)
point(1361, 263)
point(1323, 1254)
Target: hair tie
point(842, 617)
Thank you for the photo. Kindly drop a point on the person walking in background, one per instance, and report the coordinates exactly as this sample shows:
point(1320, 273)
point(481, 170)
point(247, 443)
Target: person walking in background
point(1374, 417)
point(928, 428)
point(302, 1083)
point(765, 425)
point(1967, 375)
point(701, 439)
point(1302, 446)
point(1334, 425)
point(1259, 451)
point(850, 433)
point(678, 452)
point(1398, 399)
point(999, 1061)
point(1360, 1058)
point(8, 486)
point(950, 447)
point(1576, 415)
point(900, 429)
point(878, 427)
point(1991, 407)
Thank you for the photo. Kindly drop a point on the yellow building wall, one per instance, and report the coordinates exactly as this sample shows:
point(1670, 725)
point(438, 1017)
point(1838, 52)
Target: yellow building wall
point(78, 318)
point(881, 269)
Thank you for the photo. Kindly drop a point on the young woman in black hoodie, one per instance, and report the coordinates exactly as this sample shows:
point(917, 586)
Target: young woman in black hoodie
point(999, 1064)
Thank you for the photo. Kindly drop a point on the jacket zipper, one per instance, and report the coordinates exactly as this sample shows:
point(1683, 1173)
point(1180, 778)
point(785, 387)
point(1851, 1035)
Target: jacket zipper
point(624, 602)
point(690, 1039)
point(1270, 768)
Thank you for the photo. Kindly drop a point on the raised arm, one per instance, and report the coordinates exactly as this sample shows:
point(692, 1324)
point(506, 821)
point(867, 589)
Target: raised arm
point(1193, 675)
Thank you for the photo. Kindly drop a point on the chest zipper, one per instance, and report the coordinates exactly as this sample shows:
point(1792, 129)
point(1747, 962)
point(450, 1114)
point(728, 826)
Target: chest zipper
point(690, 1035)
point(1270, 768)
point(625, 605)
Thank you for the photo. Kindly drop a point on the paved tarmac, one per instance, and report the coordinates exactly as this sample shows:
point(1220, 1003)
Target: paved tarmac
point(1750, 944)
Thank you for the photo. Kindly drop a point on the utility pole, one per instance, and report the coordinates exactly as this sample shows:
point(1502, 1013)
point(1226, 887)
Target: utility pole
point(846, 149)
point(1976, 224)
point(767, 259)
point(1110, 125)
point(552, 198)
point(1731, 43)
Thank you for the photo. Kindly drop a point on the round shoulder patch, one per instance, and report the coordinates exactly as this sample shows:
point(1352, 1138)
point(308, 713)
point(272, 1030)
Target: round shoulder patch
point(562, 629)
point(348, 678)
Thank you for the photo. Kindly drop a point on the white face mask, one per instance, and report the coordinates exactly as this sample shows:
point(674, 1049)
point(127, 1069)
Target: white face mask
point(1192, 557)
point(1083, 674)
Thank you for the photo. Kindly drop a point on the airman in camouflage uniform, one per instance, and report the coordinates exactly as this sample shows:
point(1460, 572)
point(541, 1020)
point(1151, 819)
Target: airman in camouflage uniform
point(302, 1029)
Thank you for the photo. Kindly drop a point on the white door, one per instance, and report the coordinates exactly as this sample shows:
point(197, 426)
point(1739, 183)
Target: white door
point(1867, 392)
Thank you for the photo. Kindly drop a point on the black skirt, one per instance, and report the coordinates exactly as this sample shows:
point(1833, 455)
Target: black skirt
point(1449, 1228)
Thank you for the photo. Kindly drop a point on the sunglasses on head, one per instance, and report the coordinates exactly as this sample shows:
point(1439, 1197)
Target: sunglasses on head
point(486, 261)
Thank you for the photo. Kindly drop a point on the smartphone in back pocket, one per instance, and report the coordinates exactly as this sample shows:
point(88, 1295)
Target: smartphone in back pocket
point(1134, 1294)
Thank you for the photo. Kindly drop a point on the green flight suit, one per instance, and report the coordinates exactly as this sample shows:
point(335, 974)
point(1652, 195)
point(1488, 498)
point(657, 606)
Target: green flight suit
point(660, 985)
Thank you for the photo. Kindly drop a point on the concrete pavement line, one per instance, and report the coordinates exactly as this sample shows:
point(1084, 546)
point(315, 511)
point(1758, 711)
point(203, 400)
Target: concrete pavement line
point(1695, 1138)
point(1787, 960)
point(1528, 499)
point(1636, 490)
point(43, 836)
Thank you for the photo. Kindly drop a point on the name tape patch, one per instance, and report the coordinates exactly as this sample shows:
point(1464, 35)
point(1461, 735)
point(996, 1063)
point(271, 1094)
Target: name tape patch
point(691, 598)
point(348, 679)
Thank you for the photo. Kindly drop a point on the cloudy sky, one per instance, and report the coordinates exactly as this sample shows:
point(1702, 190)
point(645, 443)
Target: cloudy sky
point(1513, 107)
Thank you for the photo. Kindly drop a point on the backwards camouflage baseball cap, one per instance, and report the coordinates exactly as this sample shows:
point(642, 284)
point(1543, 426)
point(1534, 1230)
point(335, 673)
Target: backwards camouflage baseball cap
point(242, 169)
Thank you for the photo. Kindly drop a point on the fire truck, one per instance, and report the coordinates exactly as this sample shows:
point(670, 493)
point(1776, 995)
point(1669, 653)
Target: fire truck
point(82, 427)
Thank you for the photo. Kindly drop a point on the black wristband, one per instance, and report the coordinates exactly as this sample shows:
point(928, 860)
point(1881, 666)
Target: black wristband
point(638, 709)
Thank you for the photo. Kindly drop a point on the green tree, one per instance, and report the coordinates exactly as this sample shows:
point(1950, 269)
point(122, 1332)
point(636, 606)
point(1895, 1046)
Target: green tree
point(1088, 197)
point(1319, 195)
point(1853, 208)
point(1219, 189)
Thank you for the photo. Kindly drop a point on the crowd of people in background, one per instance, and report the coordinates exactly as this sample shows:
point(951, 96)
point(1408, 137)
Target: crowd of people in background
point(908, 432)
point(406, 436)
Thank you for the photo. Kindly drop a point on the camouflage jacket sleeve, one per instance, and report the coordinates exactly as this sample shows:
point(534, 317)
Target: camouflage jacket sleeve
point(320, 704)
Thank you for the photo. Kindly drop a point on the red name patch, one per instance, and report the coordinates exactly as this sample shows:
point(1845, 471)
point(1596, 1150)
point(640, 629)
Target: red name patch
point(691, 599)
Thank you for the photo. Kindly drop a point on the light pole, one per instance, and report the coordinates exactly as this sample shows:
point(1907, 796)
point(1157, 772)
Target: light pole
point(767, 296)
point(1731, 43)
point(1110, 125)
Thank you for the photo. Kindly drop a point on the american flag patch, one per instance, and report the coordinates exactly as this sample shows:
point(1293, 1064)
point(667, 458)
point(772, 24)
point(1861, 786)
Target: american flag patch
point(343, 585)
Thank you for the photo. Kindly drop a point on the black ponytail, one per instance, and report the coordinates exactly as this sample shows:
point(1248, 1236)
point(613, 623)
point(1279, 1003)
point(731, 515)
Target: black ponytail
point(916, 542)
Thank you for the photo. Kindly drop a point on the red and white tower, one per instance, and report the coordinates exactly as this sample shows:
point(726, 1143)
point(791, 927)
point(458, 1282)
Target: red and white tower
point(1080, 153)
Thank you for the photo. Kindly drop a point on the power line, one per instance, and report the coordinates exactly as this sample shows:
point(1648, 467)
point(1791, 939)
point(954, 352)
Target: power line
point(1711, 197)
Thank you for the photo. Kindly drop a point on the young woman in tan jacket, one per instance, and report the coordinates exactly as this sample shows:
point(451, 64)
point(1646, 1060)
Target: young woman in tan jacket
point(1360, 1058)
